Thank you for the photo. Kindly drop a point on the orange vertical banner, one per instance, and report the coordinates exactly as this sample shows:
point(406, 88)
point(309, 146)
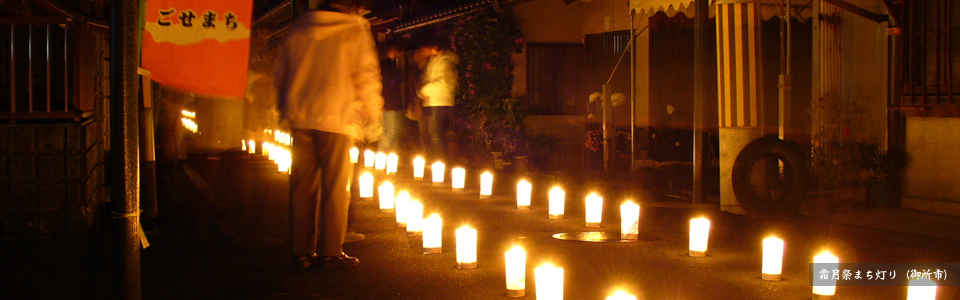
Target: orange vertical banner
point(199, 46)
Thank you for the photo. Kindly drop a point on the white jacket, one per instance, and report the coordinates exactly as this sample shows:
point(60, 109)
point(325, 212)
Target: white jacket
point(439, 80)
point(328, 76)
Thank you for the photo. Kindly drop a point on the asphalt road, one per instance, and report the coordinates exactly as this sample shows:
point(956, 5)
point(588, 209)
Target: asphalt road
point(200, 261)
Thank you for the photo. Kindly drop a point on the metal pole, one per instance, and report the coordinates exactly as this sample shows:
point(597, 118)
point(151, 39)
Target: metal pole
point(606, 126)
point(701, 43)
point(124, 154)
point(786, 82)
point(633, 92)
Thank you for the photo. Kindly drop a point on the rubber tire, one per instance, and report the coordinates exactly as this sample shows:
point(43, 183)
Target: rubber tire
point(795, 167)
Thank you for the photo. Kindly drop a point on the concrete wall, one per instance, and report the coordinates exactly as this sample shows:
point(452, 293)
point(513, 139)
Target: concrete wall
point(932, 178)
point(864, 73)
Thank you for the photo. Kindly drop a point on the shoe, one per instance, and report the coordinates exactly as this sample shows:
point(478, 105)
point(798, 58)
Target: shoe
point(353, 237)
point(302, 262)
point(341, 261)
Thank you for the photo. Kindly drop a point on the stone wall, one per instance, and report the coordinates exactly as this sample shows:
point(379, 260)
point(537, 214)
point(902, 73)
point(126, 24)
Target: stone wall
point(51, 178)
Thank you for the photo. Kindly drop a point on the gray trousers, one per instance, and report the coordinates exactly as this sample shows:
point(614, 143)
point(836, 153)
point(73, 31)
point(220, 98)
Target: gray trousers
point(319, 199)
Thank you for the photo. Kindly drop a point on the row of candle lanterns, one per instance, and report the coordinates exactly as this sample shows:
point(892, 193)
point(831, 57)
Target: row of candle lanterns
point(278, 152)
point(410, 214)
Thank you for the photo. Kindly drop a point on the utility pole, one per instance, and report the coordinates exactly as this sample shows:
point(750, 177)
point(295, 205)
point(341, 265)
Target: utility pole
point(124, 143)
point(700, 44)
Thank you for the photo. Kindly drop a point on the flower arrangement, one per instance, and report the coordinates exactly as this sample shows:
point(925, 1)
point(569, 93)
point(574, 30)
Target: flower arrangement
point(594, 140)
point(485, 117)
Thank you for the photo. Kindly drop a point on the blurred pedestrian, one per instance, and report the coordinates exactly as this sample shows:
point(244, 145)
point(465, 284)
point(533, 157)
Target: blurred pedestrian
point(394, 106)
point(328, 85)
point(438, 91)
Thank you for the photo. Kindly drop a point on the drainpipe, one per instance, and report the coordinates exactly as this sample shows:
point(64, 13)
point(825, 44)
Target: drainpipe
point(633, 92)
point(124, 139)
point(700, 40)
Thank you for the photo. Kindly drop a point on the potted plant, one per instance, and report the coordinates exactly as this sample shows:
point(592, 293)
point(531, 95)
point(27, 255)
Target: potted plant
point(884, 170)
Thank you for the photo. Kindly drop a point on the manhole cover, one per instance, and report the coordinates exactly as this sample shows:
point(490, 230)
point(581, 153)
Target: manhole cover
point(600, 237)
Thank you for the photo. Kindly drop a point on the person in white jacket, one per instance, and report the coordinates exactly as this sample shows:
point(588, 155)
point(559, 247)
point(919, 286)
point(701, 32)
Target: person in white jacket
point(328, 85)
point(438, 91)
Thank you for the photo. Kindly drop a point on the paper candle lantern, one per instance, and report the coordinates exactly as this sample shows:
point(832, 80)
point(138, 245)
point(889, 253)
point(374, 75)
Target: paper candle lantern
point(432, 234)
point(386, 197)
point(523, 194)
point(457, 177)
point(621, 295)
point(466, 247)
point(369, 158)
point(415, 218)
point(354, 155)
point(418, 168)
point(557, 200)
point(251, 147)
point(772, 259)
point(400, 204)
point(516, 271)
point(437, 170)
point(629, 221)
point(549, 282)
point(366, 185)
point(827, 289)
point(594, 211)
point(284, 160)
point(392, 161)
point(243, 145)
point(265, 149)
point(922, 289)
point(486, 185)
point(380, 161)
point(699, 234)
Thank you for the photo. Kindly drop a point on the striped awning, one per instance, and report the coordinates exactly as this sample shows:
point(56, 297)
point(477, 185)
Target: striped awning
point(770, 8)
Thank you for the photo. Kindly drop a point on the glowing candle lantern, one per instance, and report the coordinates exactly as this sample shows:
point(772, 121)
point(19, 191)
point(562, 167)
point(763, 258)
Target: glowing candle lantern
point(516, 270)
point(549, 282)
point(392, 161)
point(251, 147)
point(414, 218)
point(386, 197)
point(438, 170)
point(354, 155)
point(629, 221)
point(432, 234)
point(466, 247)
point(772, 259)
point(523, 194)
point(265, 149)
point(400, 204)
point(594, 211)
point(486, 185)
point(922, 289)
point(457, 177)
point(368, 158)
point(832, 262)
point(366, 185)
point(380, 161)
point(284, 160)
point(557, 200)
point(243, 145)
point(621, 295)
point(699, 234)
point(418, 168)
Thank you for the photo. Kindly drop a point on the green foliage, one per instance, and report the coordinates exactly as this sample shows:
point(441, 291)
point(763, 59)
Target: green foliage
point(881, 164)
point(835, 154)
point(485, 117)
